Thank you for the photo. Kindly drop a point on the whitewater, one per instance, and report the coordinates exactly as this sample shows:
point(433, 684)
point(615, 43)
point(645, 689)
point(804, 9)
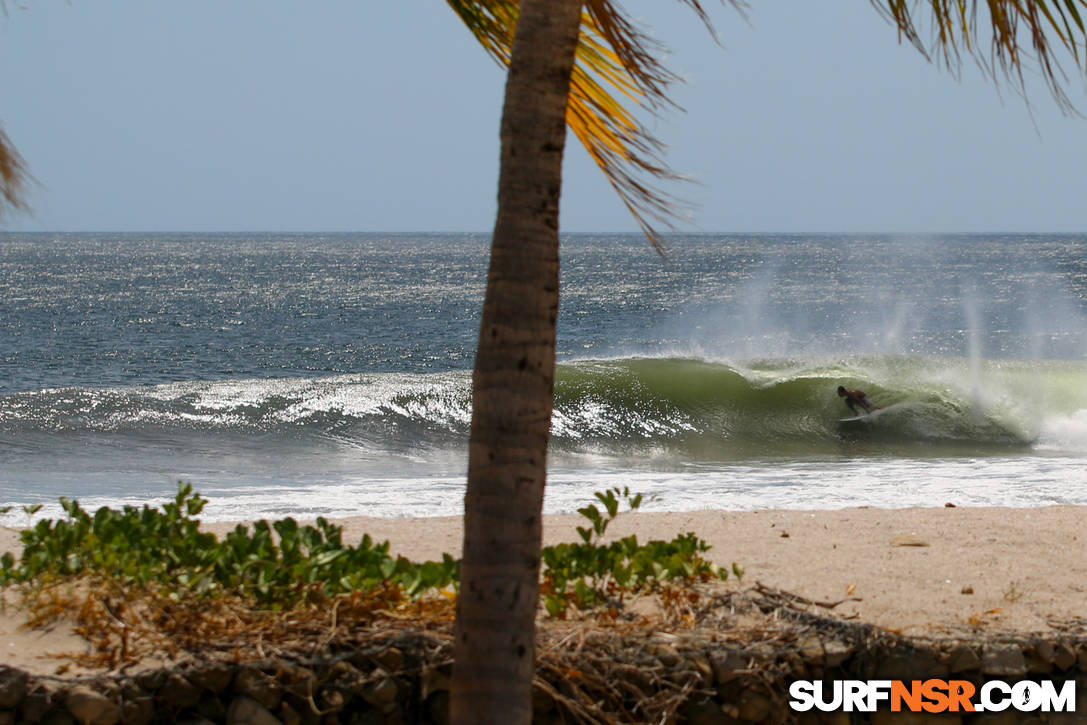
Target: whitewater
point(330, 375)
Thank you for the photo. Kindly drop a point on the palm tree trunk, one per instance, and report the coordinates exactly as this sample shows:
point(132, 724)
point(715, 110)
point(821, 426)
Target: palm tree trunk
point(513, 381)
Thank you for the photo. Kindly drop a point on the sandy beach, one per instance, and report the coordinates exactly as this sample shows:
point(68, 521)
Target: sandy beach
point(914, 571)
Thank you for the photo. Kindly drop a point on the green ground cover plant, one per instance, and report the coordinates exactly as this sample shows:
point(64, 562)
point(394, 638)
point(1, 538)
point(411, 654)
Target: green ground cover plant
point(143, 546)
point(592, 573)
point(283, 564)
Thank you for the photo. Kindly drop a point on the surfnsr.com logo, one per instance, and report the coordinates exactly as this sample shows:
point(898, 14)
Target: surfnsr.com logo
point(932, 696)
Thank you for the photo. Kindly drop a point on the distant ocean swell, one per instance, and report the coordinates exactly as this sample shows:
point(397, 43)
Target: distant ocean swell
point(691, 409)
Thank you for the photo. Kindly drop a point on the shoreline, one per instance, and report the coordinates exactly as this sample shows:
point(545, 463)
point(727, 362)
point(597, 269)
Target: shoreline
point(914, 571)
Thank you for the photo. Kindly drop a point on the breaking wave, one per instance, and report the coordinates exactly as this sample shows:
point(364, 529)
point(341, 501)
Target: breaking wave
point(688, 408)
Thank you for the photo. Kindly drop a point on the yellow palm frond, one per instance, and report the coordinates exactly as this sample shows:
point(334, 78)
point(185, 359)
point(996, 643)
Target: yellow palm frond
point(616, 65)
point(1024, 33)
point(13, 177)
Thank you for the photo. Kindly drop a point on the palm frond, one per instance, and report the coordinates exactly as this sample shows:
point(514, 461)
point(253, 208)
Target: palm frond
point(1025, 33)
point(13, 177)
point(617, 67)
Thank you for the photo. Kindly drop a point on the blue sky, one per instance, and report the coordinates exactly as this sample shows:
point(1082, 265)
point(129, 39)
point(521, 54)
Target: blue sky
point(382, 115)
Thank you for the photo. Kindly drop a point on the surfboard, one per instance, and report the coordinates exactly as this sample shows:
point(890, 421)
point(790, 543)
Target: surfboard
point(864, 417)
point(853, 420)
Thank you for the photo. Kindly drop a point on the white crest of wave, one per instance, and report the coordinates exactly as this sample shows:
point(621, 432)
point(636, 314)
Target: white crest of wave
point(1065, 433)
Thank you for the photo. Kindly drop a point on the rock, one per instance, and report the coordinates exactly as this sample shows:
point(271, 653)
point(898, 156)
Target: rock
point(964, 659)
point(908, 540)
point(1065, 718)
point(816, 650)
point(130, 690)
point(1064, 657)
point(434, 680)
point(1003, 660)
point(305, 709)
point(381, 692)
point(37, 703)
point(211, 707)
point(665, 653)
point(918, 665)
point(754, 706)
point(835, 652)
point(811, 649)
point(138, 710)
point(244, 710)
point(58, 716)
point(298, 680)
point(886, 717)
point(814, 717)
point(727, 665)
point(214, 678)
point(151, 680)
point(761, 652)
point(1039, 657)
point(288, 715)
point(394, 716)
point(705, 711)
point(262, 687)
point(700, 664)
point(347, 677)
point(369, 717)
point(178, 693)
point(795, 667)
point(12, 687)
point(332, 699)
point(90, 707)
point(1005, 717)
point(42, 701)
point(390, 658)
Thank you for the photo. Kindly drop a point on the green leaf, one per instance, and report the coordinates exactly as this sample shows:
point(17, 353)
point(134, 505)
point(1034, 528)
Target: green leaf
point(327, 557)
point(590, 512)
point(610, 502)
point(554, 605)
point(70, 507)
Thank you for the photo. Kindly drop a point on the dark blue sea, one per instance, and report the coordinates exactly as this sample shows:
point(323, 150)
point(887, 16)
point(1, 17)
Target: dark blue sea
point(310, 374)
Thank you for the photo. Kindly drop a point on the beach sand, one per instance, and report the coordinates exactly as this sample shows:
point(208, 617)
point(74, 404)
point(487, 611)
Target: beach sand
point(914, 571)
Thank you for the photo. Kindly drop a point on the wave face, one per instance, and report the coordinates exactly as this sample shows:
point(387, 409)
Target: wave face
point(675, 407)
point(717, 410)
point(302, 374)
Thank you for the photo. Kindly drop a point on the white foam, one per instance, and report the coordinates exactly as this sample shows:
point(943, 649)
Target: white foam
point(1066, 433)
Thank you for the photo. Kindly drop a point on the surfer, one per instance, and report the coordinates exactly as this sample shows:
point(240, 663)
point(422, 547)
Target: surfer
point(853, 398)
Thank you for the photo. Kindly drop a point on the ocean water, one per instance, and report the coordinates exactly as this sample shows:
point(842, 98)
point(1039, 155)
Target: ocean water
point(330, 375)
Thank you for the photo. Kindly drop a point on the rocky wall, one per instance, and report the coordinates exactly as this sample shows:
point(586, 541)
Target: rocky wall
point(405, 679)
